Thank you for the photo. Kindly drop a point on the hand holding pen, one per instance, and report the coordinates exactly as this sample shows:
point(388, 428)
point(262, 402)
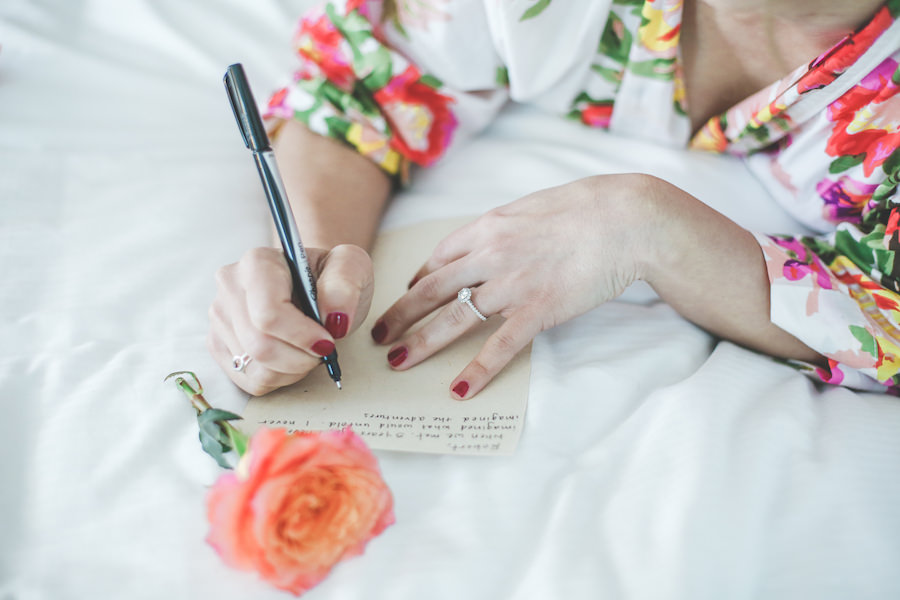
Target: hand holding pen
point(304, 293)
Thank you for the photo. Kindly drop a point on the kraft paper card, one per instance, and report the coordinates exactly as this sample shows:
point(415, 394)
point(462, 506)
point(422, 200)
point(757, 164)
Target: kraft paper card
point(405, 410)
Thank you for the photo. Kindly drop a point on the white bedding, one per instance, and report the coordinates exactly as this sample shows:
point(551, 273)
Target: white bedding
point(654, 463)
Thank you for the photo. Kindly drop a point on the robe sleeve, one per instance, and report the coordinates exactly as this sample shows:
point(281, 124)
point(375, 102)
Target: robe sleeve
point(840, 292)
point(401, 83)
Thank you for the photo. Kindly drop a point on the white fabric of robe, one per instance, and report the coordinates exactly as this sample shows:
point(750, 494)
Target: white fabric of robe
point(654, 462)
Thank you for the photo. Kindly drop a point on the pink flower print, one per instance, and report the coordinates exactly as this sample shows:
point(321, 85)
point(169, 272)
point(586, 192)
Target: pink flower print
point(792, 245)
point(832, 374)
point(278, 107)
point(845, 199)
point(795, 270)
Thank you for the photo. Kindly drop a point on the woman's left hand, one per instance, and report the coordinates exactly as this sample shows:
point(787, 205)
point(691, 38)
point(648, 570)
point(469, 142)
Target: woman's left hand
point(537, 262)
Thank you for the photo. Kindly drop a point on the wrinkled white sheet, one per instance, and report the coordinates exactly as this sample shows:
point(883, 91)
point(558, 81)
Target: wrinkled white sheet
point(654, 462)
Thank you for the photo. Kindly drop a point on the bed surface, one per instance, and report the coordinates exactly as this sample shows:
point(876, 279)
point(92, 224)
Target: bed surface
point(654, 462)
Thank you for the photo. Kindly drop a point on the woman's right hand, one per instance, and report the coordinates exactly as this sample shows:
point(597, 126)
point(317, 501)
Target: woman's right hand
point(253, 314)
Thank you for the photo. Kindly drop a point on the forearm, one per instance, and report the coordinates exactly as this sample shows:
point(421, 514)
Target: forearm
point(713, 272)
point(337, 195)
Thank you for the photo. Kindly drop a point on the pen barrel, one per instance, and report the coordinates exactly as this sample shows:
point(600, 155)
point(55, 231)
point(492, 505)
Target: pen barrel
point(299, 296)
point(304, 294)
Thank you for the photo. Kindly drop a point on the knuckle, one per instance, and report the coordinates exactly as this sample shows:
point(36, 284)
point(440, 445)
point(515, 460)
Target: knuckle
point(224, 276)
point(457, 314)
point(503, 344)
point(265, 319)
point(428, 289)
point(267, 380)
point(478, 369)
point(441, 252)
point(418, 339)
point(261, 348)
point(256, 388)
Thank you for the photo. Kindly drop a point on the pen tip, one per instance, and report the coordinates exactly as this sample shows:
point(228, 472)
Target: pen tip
point(338, 384)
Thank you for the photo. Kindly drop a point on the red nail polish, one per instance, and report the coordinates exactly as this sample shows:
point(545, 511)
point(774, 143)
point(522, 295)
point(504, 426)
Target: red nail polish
point(397, 356)
point(323, 347)
point(336, 324)
point(379, 332)
point(461, 388)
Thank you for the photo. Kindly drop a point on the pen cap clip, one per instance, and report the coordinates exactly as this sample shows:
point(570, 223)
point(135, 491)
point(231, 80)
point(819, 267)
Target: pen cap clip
point(244, 108)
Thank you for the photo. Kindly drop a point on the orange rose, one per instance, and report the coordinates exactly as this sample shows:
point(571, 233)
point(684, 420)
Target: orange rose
point(297, 505)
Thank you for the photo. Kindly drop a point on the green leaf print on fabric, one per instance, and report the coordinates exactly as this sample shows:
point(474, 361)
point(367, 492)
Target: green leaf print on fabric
point(656, 68)
point(842, 163)
point(616, 39)
point(865, 338)
point(887, 189)
point(376, 62)
point(431, 81)
point(610, 75)
point(337, 127)
point(502, 76)
point(894, 7)
point(535, 10)
point(891, 164)
point(868, 253)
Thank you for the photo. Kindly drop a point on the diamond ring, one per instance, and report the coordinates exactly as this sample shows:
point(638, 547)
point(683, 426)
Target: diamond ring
point(465, 296)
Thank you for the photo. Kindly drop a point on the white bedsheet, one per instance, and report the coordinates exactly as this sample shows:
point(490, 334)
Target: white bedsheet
point(654, 463)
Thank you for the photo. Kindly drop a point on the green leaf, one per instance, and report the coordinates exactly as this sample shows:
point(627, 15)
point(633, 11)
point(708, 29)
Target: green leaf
point(379, 67)
point(655, 68)
point(337, 127)
point(239, 441)
point(611, 44)
point(502, 76)
point(214, 449)
point(884, 261)
point(891, 165)
point(842, 163)
point(431, 81)
point(865, 338)
point(217, 414)
point(894, 7)
point(859, 252)
point(610, 75)
point(535, 10)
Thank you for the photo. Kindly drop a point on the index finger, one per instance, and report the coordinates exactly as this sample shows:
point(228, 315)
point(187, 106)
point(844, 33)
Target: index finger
point(267, 292)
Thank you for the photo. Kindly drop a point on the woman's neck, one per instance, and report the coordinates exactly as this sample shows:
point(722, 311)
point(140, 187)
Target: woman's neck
point(827, 18)
point(733, 48)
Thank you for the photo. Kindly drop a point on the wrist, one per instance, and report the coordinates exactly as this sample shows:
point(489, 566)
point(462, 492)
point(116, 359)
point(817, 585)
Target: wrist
point(641, 212)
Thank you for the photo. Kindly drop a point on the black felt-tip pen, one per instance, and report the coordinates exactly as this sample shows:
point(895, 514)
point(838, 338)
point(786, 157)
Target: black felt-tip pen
point(254, 134)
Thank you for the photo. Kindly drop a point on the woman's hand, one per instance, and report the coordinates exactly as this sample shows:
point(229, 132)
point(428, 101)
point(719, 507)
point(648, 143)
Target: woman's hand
point(537, 262)
point(252, 314)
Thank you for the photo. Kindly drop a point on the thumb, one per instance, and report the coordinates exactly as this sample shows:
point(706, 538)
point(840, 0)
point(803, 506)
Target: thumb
point(345, 286)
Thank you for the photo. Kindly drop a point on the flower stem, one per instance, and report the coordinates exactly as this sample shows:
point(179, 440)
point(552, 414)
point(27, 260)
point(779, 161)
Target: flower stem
point(217, 436)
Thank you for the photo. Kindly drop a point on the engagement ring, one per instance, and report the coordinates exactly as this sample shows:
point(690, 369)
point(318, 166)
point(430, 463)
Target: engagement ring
point(465, 296)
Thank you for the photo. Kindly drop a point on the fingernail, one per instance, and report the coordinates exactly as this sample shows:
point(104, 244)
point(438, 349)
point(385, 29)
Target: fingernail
point(397, 356)
point(379, 332)
point(323, 347)
point(461, 388)
point(413, 282)
point(336, 324)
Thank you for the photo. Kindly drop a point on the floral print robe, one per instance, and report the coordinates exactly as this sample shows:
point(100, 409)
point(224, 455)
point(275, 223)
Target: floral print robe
point(404, 81)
